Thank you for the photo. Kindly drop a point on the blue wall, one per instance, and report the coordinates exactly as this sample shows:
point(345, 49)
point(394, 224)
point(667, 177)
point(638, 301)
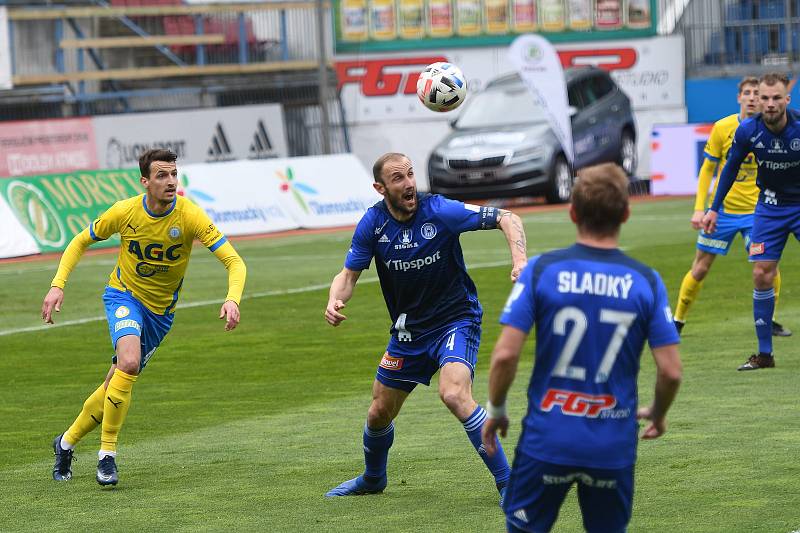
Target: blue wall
point(708, 100)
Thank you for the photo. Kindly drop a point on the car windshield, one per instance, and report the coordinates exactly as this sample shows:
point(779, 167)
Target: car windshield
point(503, 104)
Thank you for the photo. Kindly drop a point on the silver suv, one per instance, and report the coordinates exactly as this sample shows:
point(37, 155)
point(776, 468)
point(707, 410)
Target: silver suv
point(502, 146)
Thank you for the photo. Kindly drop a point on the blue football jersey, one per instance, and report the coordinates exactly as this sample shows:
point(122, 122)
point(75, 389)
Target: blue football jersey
point(420, 264)
point(778, 158)
point(593, 310)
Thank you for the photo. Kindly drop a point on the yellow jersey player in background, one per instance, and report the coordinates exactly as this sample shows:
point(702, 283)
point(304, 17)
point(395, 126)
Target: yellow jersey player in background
point(736, 216)
point(156, 232)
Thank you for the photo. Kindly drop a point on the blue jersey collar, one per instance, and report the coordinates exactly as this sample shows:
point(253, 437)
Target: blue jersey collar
point(165, 213)
point(595, 250)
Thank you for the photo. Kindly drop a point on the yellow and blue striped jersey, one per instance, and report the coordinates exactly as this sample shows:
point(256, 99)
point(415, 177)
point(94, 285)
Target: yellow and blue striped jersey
point(154, 250)
point(743, 195)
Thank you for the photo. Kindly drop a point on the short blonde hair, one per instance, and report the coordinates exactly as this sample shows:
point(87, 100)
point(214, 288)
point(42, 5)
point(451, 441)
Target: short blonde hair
point(600, 199)
point(377, 168)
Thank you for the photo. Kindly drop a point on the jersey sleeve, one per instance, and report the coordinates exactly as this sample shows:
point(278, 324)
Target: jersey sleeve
point(661, 329)
point(520, 309)
point(237, 271)
point(72, 254)
point(739, 149)
point(461, 217)
point(205, 231)
point(714, 144)
point(362, 247)
point(107, 224)
point(704, 183)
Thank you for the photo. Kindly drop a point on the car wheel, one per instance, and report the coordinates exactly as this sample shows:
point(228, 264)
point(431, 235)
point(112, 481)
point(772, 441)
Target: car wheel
point(627, 153)
point(561, 180)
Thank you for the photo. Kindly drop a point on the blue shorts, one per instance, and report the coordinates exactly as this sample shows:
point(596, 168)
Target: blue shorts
point(537, 489)
point(406, 364)
point(728, 226)
point(771, 229)
point(128, 316)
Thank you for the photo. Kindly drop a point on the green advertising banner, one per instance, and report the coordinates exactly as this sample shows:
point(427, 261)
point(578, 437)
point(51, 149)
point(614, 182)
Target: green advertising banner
point(386, 25)
point(56, 207)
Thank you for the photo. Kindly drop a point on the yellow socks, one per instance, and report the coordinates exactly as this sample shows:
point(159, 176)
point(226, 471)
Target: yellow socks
point(91, 416)
point(687, 295)
point(117, 402)
point(776, 284)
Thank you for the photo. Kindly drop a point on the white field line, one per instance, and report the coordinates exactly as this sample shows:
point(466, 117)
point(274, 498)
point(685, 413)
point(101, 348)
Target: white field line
point(201, 303)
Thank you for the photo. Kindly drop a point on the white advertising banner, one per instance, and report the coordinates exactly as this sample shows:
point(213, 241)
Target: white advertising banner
point(196, 136)
point(677, 154)
point(325, 191)
point(382, 87)
point(540, 69)
point(15, 240)
point(6, 81)
point(241, 197)
point(250, 197)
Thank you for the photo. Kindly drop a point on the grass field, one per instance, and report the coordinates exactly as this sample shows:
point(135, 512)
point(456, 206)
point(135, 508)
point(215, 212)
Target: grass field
point(247, 430)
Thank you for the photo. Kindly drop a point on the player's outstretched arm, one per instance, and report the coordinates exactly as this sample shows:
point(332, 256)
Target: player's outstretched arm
point(69, 260)
point(739, 149)
point(511, 226)
point(505, 358)
point(668, 379)
point(340, 293)
point(237, 274)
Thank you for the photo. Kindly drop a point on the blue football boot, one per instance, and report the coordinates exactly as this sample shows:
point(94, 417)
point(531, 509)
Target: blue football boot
point(357, 487)
point(62, 469)
point(107, 471)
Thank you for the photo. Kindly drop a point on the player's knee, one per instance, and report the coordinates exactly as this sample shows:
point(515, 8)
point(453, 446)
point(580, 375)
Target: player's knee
point(455, 398)
point(701, 265)
point(763, 276)
point(379, 415)
point(700, 271)
point(129, 366)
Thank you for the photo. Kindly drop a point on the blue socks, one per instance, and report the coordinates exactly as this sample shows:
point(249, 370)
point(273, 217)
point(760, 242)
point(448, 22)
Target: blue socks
point(497, 465)
point(378, 441)
point(763, 309)
point(376, 451)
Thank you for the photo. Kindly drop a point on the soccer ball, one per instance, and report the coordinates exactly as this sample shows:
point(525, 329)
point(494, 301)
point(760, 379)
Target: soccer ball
point(441, 87)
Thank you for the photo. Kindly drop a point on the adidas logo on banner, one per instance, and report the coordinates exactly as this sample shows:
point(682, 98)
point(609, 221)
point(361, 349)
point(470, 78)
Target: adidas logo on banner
point(261, 147)
point(220, 149)
point(383, 238)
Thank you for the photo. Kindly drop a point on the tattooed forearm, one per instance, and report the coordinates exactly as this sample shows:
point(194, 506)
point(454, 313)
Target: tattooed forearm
point(511, 225)
point(520, 242)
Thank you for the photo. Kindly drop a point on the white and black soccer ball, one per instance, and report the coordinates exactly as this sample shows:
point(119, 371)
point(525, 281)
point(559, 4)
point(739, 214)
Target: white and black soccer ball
point(442, 87)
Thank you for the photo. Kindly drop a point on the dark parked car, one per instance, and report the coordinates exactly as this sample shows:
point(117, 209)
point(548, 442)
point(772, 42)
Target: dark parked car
point(502, 146)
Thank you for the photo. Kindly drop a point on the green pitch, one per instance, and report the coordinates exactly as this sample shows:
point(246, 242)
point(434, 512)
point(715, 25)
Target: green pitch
point(247, 430)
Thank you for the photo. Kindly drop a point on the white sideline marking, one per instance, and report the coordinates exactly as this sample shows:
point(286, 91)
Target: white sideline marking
point(201, 303)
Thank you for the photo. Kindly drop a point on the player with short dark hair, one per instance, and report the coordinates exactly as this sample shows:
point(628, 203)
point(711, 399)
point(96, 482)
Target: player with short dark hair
point(593, 308)
point(156, 232)
point(773, 136)
point(433, 305)
point(736, 214)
